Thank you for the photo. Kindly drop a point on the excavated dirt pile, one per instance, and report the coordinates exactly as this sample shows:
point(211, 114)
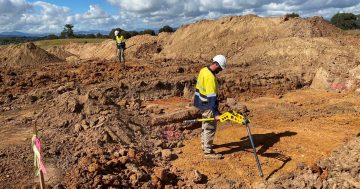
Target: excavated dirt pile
point(137, 47)
point(61, 53)
point(87, 112)
point(28, 53)
point(279, 52)
point(230, 35)
point(270, 55)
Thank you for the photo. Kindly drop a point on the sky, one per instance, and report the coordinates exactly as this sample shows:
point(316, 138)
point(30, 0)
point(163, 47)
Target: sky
point(50, 16)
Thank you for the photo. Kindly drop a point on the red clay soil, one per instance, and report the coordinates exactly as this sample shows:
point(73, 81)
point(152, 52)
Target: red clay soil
point(104, 125)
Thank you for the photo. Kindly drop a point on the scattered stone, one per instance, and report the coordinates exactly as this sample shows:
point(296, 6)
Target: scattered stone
point(93, 167)
point(131, 153)
point(84, 124)
point(160, 173)
point(158, 143)
point(123, 160)
point(198, 177)
point(61, 89)
point(154, 180)
point(133, 178)
point(180, 184)
point(64, 124)
point(78, 127)
point(74, 106)
point(315, 169)
point(32, 98)
point(166, 154)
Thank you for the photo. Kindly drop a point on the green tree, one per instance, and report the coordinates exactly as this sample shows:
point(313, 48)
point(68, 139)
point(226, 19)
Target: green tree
point(292, 15)
point(99, 35)
point(133, 33)
point(150, 32)
point(90, 35)
point(68, 31)
point(52, 36)
point(166, 29)
point(126, 34)
point(346, 21)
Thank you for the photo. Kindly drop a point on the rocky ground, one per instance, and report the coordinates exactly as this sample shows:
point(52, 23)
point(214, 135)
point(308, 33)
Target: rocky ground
point(108, 126)
point(340, 170)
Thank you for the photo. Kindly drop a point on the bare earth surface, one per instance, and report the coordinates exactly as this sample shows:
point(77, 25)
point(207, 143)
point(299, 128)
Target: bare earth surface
point(104, 125)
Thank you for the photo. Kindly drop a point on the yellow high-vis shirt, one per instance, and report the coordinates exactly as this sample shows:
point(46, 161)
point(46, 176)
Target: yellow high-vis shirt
point(120, 39)
point(206, 85)
point(206, 91)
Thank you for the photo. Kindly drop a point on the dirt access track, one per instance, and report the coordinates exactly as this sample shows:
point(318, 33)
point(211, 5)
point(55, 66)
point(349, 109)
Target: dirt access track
point(107, 126)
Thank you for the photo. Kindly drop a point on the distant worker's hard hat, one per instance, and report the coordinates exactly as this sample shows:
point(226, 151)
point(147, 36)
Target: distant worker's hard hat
point(116, 32)
point(221, 60)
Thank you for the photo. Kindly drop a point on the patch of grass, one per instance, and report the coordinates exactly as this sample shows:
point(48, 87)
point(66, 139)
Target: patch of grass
point(45, 44)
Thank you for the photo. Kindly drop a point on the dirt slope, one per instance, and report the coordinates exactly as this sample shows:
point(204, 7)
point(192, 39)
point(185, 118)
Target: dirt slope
point(61, 53)
point(229, 35)
point(275, 51)
point(267, 49)
point(27, 53)
point(138, 47)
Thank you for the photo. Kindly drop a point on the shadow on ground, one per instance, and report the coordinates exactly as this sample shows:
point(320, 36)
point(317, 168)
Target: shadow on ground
point(265, 141)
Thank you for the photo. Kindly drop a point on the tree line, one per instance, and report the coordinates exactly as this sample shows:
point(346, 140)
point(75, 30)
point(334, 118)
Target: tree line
point(345, 21)
point(68, 32)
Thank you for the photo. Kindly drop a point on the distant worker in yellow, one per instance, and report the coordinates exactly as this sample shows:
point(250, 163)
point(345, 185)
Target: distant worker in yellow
point(206, 100)
point(120, 44)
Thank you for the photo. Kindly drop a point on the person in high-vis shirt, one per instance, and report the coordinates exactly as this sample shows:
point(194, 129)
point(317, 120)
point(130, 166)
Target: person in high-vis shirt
point(120, 44)
point(206, 101)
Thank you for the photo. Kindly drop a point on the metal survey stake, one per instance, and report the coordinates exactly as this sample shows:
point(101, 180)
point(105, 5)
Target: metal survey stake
point(238, 118)
point(254, 149)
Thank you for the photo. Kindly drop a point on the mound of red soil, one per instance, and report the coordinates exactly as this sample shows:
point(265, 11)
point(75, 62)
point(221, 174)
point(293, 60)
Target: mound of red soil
point(27, 53)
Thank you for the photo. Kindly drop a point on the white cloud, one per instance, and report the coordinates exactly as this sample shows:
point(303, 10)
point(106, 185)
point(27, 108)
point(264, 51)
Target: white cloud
point(44, 17)
point(10, 10)
point(51, 9)
point(176, 12)
point(95, 12)
point(13, 7)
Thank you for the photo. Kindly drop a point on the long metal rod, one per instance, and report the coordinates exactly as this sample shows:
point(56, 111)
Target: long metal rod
point(254, 149)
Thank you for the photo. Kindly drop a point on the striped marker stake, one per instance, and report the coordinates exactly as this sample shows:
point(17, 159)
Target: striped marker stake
point(39, 165)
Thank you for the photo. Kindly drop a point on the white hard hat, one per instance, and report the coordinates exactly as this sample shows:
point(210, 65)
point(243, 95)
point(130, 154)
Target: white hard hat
point(221, 60)
point(116, 32)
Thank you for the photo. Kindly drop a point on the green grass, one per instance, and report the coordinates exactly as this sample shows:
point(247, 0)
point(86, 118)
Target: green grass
point(45, 44)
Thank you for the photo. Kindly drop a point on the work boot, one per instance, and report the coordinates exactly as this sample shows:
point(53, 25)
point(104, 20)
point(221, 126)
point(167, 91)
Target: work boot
point(203, 149)
point(213, 155)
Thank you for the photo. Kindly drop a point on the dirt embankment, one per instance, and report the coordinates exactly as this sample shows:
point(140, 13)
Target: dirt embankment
point(137, 47)
point(230, 35)
point(270, 55)
point(61, 53)
point(28, 53)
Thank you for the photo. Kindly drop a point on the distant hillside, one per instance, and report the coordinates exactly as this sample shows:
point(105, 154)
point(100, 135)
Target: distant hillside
point(21, 34)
